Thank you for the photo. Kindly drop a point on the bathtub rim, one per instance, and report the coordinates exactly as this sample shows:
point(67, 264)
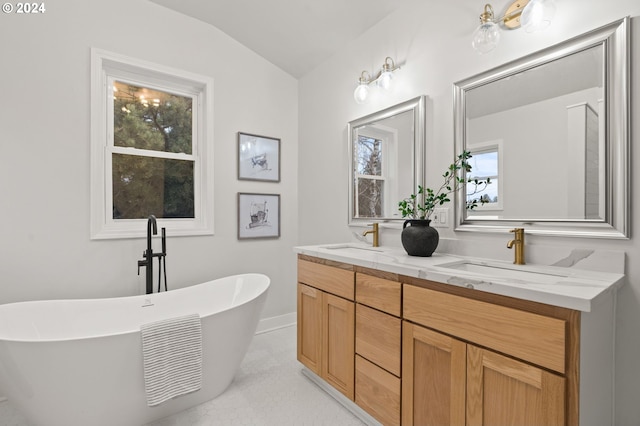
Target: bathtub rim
point(264, 280)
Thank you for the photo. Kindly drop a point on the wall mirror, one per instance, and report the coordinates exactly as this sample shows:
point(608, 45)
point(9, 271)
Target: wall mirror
point(552, 131)
point(386, 160)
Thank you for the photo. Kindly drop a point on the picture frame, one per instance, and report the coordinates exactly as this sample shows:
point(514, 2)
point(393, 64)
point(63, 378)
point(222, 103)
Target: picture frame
point(258, 157)
point(258, 215)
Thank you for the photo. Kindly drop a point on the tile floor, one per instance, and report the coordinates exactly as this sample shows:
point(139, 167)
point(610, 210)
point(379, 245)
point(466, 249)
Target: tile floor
point(269, 390)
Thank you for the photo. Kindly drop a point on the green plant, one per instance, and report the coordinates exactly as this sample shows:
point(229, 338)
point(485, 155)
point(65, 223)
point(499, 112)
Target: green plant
point(421, 205)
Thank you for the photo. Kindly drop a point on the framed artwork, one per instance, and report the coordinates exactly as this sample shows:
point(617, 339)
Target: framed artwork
point(258, 158)
point(258, 215)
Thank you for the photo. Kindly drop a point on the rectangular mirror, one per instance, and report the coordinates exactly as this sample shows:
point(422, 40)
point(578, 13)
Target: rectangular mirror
point(386, 160)
point(551, 130)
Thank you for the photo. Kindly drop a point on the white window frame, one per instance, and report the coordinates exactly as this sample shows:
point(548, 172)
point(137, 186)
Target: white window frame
point(107, 67)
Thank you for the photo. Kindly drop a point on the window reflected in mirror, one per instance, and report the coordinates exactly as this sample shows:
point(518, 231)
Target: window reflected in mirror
point(485, 164)
point(370, 181)
point(386, 162)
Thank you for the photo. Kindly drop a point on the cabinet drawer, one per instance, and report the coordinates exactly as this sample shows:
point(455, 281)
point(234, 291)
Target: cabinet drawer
point(378, 338)
point(531, 337)
point(328, 278)
point(377, 392)
point(381, 294)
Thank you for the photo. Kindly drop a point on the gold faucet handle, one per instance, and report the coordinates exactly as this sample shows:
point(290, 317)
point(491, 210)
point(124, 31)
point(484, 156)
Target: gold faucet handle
point(518, 231)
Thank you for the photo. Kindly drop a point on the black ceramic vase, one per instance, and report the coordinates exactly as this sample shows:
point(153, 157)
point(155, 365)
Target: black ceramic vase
point(418, 238)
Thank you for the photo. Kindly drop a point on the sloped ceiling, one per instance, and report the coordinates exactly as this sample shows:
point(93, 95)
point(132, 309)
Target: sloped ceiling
point(295, 35)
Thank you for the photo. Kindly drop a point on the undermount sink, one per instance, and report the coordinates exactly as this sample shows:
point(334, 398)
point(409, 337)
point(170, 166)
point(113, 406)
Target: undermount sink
point(348, 246)
point(505, 271)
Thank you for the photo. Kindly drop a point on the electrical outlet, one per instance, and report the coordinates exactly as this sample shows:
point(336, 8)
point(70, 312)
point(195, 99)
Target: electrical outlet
point(440, 217)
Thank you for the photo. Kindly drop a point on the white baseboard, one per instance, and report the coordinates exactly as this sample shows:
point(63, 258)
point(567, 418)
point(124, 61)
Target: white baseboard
point(366, 418)
point(274, 323)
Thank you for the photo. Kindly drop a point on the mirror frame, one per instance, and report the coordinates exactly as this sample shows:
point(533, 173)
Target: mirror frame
point(615, 40)
point(418, 108)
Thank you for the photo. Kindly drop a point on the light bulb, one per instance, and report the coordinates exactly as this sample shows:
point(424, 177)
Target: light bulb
point(486, 37)
point(361, 93)
point(384, 80)
point(537, 15)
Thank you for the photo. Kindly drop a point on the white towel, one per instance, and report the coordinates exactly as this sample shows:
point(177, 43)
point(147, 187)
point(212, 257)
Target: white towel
point(172, 357)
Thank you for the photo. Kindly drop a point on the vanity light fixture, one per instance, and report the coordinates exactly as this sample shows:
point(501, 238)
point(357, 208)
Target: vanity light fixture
point(532, 15)
point(362, 91)
point(537, 15)
point(382, 79)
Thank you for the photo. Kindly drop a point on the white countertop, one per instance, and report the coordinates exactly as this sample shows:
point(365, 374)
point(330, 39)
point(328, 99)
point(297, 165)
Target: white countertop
point(565, 286)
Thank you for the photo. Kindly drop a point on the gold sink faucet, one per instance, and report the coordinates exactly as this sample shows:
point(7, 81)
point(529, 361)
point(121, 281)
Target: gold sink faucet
point(375, 233)
point(518, 241)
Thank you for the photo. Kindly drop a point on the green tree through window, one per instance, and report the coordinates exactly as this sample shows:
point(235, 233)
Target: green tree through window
point(156, 176)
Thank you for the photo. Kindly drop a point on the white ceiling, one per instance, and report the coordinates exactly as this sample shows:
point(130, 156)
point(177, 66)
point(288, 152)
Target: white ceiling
point(295, 35)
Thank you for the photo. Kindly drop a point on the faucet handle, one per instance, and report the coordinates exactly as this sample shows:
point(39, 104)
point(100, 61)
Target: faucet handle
point(141, 263)
point(517, 231)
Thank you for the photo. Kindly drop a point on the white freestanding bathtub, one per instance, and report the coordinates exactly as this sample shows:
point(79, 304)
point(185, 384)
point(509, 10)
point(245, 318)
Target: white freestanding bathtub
point(79, 362)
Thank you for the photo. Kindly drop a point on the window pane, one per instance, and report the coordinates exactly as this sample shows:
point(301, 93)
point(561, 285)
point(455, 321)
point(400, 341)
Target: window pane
point(489, 193)
point(151, 119)
point(370, 197)
point(369, 156)
point(484, 165)
point(144, 186)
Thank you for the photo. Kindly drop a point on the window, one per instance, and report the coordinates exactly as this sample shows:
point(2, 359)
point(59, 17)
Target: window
point(370, 182)
point(151, 148)
point(375, 173)
point(486, 163)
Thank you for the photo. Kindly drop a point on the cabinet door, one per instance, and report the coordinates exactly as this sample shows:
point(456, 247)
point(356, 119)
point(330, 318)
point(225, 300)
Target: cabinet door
point(504, 391)
point(310, 327)
point(433, 378)
point(338, 343)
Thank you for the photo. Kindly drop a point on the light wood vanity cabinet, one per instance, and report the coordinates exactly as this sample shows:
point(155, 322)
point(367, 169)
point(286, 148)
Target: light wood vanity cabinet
point(415, 352)
point(471, 362)
point(326, 316)
point(378, 347)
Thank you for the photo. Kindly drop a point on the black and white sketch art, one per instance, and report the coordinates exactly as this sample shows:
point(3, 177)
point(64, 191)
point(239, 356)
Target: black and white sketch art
point(258, 158)
point(258, 215)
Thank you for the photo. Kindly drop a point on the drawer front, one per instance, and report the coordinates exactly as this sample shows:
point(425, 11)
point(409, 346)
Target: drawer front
point(377, 392)
point(531, 337)
point(381, 294)
point(378, 338)
point(328, 278)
